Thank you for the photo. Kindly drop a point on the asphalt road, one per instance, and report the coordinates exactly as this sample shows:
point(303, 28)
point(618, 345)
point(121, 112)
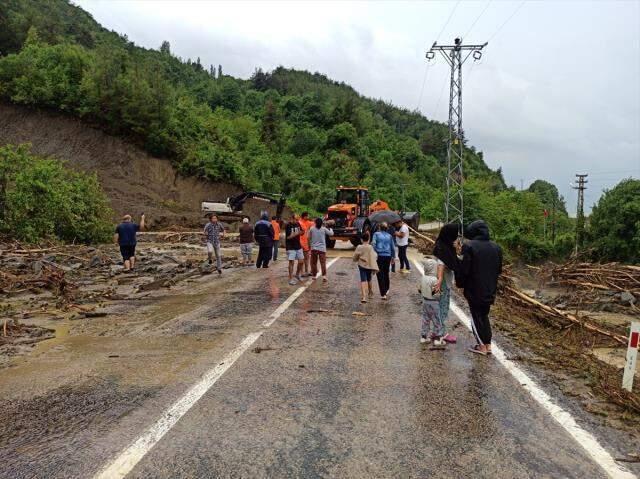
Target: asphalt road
point(319, 394)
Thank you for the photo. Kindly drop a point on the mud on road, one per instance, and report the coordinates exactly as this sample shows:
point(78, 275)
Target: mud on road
point(323, 392)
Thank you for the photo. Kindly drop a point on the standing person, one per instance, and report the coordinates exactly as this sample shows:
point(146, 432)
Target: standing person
point(317, 236)
point(431, 318)
point(383, 244)
point(392, 231)
point(293, 231)
point(213, 232)
point(125, 237)
point(448, 263)
point(367, 259)
point(263, 232)
point(246, 241)
point(275, 223)
point(305, 224)
point(402, 241)
point(478, 275)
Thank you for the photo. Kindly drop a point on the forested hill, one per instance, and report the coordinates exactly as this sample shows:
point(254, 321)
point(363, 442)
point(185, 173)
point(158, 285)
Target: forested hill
point(286, 130)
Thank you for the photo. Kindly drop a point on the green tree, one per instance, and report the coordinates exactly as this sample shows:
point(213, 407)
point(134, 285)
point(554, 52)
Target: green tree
point(40, 198)
point(614, 224)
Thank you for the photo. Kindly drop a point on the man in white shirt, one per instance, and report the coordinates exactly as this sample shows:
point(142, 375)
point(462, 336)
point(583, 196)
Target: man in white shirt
point(402, 241)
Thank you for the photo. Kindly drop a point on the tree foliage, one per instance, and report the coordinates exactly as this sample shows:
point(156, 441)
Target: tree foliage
point(40, 198)
point(614, 226)
point(287, 131)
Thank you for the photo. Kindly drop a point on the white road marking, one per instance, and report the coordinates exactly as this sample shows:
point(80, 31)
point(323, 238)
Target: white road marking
point(128, 458)
point(562, 417)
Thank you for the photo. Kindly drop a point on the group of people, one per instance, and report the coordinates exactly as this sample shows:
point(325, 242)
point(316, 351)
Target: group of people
point(473, 264)
point(305, 243)
point(376, 255)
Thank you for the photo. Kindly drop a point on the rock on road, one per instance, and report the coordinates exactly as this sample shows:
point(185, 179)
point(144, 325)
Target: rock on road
point(319, 394)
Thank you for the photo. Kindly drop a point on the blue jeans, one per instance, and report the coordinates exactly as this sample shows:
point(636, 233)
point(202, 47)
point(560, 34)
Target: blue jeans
point(445, 299)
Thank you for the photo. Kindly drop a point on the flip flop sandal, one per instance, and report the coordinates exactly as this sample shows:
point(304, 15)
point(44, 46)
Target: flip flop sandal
point(475, 349)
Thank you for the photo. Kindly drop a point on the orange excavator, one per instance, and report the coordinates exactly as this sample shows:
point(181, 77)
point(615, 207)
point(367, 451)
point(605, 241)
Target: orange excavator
point(350, 214)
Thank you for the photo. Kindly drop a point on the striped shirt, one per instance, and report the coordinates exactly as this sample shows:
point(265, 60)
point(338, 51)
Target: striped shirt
point(213, 231)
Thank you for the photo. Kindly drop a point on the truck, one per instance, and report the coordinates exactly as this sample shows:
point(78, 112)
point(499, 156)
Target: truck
point(351, 211)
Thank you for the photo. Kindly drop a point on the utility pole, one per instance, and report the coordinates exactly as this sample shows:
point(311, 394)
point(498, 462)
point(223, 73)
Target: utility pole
point(455, 55)
point(582, 181)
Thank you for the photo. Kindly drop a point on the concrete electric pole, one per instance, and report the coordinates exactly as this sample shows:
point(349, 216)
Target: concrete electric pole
point(582, 181)
point(455, 55)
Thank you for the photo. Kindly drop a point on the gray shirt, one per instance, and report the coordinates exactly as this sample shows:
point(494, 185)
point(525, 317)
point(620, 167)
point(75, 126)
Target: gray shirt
point(318, 238)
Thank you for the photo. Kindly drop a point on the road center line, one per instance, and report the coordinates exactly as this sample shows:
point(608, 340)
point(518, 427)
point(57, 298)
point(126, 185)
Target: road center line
point(562, 417)
point(127, 460)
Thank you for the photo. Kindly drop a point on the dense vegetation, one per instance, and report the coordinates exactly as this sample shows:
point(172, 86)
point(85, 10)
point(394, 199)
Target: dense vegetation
point(282, 131)
point(614, 230)
point(40, 198)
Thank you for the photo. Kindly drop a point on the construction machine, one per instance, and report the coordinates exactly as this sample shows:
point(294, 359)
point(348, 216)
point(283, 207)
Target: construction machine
point(350, 214)
point(231, 209)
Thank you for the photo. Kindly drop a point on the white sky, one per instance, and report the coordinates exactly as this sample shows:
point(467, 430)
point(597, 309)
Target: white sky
point(556, 93)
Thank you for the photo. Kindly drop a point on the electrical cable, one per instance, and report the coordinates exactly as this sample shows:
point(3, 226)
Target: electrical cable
point(426, 69)
point(507, 20)
point(476, 20)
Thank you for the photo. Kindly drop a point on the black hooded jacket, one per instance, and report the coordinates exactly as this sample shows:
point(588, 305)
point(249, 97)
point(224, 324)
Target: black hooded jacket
point(481, 265)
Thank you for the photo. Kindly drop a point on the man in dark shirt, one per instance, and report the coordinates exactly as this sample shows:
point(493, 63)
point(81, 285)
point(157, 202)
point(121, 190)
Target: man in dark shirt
point(263, 233)
point(246, 241)
point(293, 231)
point(478, 275)
point(125, 236)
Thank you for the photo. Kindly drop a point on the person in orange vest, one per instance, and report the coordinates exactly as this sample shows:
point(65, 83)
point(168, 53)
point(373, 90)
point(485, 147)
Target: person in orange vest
point(305, 223)
point(276, 237)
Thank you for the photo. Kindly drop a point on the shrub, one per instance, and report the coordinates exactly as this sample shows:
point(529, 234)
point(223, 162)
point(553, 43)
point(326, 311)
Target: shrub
point(42, 199)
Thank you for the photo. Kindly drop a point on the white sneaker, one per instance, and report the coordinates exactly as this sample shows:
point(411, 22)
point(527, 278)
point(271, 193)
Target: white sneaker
point(439, 342)
point(292, 282)
point(424, 340)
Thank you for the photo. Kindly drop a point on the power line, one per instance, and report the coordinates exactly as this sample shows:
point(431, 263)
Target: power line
point(426, 67)
point(476, 20)
point(435, 112)
point(448, 19)
point(507, 20)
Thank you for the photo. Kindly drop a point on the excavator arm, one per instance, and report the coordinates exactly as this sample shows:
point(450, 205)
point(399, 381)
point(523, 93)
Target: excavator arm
point(234, 205)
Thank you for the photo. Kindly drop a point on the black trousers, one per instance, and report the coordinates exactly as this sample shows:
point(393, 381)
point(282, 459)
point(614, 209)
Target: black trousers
point(402, 254)
point(383, 274)
point(481, 325)
point(264, 256)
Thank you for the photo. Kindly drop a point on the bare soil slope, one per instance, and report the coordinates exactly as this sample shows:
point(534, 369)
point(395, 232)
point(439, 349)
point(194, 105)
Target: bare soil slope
point(134, 181)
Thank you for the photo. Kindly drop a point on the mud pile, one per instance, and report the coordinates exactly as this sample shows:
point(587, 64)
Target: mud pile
point(49, 283)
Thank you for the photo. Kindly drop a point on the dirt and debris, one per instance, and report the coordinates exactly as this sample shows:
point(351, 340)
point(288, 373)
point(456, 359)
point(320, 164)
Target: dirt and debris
point(45, 285)
point(610, 287)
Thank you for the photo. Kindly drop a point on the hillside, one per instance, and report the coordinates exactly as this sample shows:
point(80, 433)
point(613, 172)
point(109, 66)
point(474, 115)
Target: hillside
point(286, 130)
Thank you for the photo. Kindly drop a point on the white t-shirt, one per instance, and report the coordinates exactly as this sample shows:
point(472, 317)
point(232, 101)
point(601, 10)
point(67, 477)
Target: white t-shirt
point(404, 241)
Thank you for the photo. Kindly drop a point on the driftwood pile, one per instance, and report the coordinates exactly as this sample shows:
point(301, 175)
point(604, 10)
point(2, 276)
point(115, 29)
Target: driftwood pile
point(588, 278)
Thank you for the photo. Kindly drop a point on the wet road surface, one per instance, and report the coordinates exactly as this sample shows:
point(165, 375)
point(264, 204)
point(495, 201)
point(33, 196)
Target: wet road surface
point(319, 394)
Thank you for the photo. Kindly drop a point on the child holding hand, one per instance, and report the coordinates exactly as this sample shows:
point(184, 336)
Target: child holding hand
point(431, 305)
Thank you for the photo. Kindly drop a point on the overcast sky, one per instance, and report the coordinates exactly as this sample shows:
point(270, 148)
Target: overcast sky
point(556, 93)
